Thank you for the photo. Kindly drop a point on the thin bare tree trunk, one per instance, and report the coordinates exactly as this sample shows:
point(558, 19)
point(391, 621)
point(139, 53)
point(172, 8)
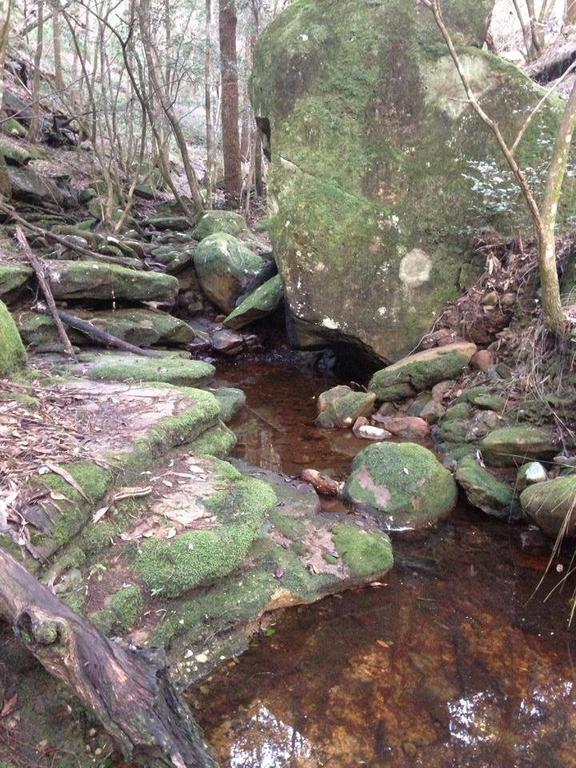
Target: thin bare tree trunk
point(57, 46)
point(5, 14)
point(229, 75)
point(160, 91)
point(208, 78)
point(34, 129)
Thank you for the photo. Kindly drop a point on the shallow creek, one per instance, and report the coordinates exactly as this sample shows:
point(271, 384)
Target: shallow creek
point(448, 662)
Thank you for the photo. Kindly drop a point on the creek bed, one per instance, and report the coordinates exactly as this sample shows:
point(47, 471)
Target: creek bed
point(451, 661)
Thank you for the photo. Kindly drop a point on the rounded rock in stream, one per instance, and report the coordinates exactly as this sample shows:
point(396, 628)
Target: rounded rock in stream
point(404, 482)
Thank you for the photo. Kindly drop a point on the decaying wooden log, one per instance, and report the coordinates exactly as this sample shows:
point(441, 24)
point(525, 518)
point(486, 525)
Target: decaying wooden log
point(97, 334)
point(127, 688)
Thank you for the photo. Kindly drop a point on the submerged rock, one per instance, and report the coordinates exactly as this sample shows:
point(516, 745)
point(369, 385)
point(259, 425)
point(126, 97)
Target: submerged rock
point(368, 197)
point(340, 407)
point(484, 491)
point(224, 265)
point(220, 221)
point(552, 505)
point(421, 371)
point(12, 353)
point(404, 482)
point(265, 300)
point(513, 446)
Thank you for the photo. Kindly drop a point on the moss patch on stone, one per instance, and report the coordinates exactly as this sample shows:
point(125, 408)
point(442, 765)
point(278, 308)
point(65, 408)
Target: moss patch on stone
point(202, 557)
point(552, 505)
point(365, 553)
point(220, 221)
point(231, 400)
point(126, 606)
point(484, 491)
point(13, 276)
point(12, 352)
point(217, 441)
point(513, 446)
point(167, 370)
point(261, 303)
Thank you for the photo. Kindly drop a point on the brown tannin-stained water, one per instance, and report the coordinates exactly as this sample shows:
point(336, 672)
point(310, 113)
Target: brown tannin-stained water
point(447, 663)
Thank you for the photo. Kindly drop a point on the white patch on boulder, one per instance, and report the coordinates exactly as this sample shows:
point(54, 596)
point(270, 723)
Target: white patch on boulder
point(329, 323)
point(415, 268)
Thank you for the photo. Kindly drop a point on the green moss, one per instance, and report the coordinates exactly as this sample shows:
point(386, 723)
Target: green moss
point(458, 411)
point(220, 221)
point(262, 302)
point(126, 606)
point(513, 446)
point(365, 554)
point(552, 505)
point(288, 525)
point(217, 441)
point(231, 401)
point(404, 482)
point(174, 566)
point(167, 370)
point(12, 353)
point(13, 276)
point(454, 431)
point(483, 490)
point(98, 538)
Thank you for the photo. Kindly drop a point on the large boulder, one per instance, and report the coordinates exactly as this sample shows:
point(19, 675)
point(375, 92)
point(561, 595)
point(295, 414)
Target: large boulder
point(421, 371)
point(108, 282)
point(381, 172)
point(224, 265)
point(220, 221)
point(12, 353)
point(404, 482)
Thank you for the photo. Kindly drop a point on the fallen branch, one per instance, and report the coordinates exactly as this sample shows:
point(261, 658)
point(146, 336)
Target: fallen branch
point(79, 249)
point(127, 688)
point(97, 334)
point(38, 267)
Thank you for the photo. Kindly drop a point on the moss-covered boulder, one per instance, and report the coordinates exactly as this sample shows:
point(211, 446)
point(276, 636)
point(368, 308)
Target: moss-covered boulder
point(421, 371)
point(380, 169)
point(141, 327)
point(12, 277)
point(231, 400)
point(484, 491)
point(404, 482)
point(514, 446)
point(32, 187)
point(340, 407)
point(224, 265)
point(12, 353)
point(108, 282)
point(220, 221)
point(265, 300)
point(170, 370)
point(174, 257)
point(552, 505)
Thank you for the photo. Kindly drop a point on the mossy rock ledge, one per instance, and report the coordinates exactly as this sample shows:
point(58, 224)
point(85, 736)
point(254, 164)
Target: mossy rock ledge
point(12, 352)
point(403, 483)
point(368, 198)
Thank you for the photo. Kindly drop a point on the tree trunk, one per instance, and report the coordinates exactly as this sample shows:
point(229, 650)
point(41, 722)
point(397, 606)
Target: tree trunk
point(570, 15)
point(208, 78)
point(5, 12)
point(229, 75)
point(34, 129)
point(57, 45)
point(160, 89)
point(127, 688)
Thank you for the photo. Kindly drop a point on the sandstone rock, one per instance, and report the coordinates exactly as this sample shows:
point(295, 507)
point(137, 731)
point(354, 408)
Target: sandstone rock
point(141, 327)
point(97, 280)
point(404, 482)
point(484, 491)
point(224, 265)
point(220, 221)
point(265, 300)
point(366, 431)
point(368, 197)
point(12, 277)
point(406, 427)
point(12, 353)
point(421, 371)
point(552, 505)
point(342, 410)
point(483, 360)
point(231, 400)
point(126, 367)
point(513, 446)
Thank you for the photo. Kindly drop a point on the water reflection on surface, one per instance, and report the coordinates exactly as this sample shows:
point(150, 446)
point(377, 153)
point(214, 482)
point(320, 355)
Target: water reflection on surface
point(447, 664)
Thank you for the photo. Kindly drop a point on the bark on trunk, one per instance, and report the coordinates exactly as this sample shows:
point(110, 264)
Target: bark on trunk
point(127, 688)
point(229, 73)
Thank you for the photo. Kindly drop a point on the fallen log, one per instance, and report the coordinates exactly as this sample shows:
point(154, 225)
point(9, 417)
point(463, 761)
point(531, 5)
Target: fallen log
point(38, 267)
point(127, 688)
point(97, 334)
